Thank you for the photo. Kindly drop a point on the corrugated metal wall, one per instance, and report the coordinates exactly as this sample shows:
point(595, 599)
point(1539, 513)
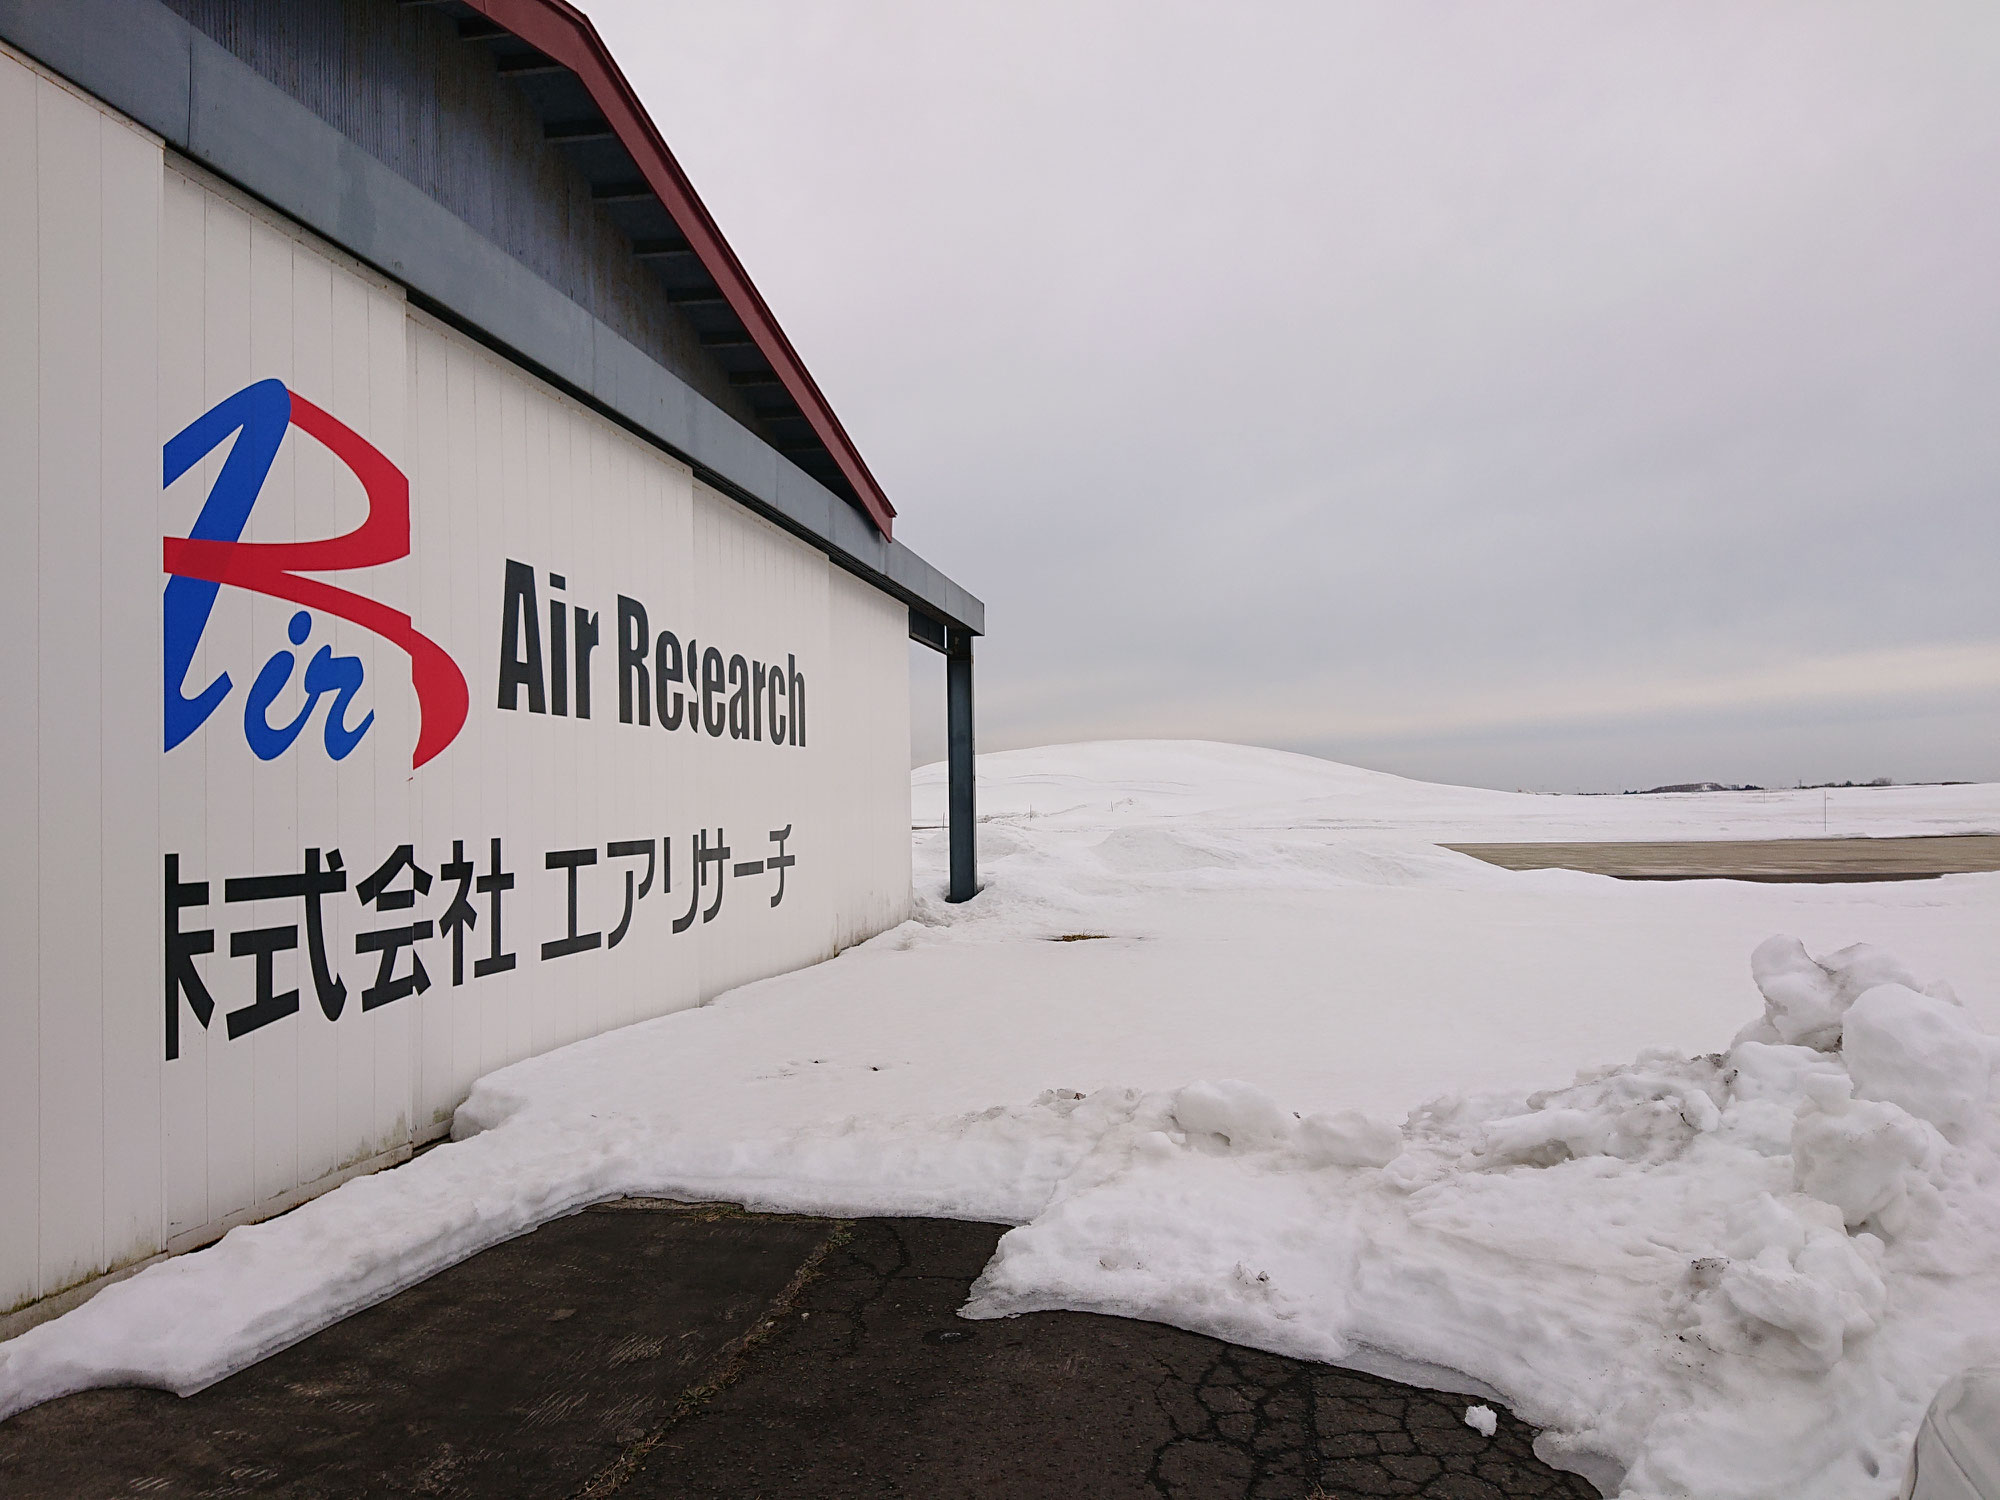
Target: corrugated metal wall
point(397, 81)
point(136, 293)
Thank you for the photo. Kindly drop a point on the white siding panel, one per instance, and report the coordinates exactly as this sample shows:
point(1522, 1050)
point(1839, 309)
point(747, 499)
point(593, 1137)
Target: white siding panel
point(368, 1096)
point(382, 406)
point(183, 777)
point(20, 670)
point(129, 694)
point(318, 511)
point(228, 821)
point(362, 1100)
point(438, 1010)
point(70, 843)
point(870, 699)
point(388, 415)
point(507, 777)
point(273, 786)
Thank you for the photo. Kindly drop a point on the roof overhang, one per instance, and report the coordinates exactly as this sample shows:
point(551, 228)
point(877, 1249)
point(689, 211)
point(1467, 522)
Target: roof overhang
point(564, 34)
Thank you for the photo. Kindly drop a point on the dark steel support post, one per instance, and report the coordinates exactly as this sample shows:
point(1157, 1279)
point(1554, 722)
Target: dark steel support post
point(958, 736)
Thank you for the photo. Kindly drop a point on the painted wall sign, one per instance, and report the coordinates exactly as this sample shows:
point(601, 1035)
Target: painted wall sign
point(395, 886)
point(258, 417)
point(730, 694)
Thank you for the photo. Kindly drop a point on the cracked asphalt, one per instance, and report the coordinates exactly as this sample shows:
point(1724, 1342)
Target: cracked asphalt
point(648, 1349)
point(871, 1385)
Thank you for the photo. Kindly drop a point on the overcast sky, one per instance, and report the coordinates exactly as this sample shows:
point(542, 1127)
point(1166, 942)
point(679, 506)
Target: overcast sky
point(1554, 395)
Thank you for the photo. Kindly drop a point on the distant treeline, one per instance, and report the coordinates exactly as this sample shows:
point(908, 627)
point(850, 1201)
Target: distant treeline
point(1804, 786)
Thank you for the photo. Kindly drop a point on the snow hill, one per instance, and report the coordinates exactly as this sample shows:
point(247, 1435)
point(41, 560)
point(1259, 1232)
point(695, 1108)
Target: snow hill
point(1190, 781)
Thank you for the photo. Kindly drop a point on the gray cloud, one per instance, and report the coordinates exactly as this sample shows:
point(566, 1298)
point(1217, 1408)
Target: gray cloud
point(1550, 394)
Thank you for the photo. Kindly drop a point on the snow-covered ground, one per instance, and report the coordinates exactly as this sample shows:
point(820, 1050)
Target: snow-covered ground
point(1314, 1084)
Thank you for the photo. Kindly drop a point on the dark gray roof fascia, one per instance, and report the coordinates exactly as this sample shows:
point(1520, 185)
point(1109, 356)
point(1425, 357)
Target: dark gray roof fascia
point(147, 63)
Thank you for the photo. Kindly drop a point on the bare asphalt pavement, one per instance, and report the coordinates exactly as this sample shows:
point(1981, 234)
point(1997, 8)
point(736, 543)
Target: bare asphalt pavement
point(646, 1349)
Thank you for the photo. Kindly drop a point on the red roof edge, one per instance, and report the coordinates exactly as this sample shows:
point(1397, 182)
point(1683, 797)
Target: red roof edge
point(565, 34)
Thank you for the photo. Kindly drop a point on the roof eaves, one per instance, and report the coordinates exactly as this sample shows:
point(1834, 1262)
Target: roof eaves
point(563, 33)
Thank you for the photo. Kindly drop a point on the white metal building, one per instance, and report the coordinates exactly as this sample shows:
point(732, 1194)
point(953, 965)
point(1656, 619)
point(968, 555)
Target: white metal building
point(444, 619)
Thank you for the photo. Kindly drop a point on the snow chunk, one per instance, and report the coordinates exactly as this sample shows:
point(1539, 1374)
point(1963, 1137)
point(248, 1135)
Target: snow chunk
point(1805, 998)
point(1912, 1050)
point(1649, 1112)
point(1243, 1115)
point(1767, 1073)
point(1348, 1138)
point(1795, 1280)
point(1858, 1155)
point(1481, 1419)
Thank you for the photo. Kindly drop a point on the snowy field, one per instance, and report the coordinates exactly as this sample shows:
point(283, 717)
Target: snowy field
point(1309, 1082)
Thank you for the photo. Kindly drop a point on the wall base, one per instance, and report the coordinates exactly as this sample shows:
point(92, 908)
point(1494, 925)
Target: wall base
point(55, 1305)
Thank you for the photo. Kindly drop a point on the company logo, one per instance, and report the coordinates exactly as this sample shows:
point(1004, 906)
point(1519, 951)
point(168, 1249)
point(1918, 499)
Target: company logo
point(211, 555)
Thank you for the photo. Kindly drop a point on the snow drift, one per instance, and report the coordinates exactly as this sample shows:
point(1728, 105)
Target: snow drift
point(1741, 1274)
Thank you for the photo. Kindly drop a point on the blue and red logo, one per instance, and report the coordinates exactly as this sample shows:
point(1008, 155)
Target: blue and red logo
point(213, 554)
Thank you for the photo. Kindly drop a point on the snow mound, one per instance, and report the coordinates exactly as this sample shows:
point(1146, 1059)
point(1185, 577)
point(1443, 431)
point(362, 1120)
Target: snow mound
point(1711, 1275)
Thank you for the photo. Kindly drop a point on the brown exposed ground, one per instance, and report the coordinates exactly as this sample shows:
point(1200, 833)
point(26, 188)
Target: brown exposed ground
point(1801, 860)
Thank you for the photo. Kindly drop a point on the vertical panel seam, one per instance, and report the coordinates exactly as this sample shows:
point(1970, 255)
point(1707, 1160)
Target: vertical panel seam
point(41, 1049)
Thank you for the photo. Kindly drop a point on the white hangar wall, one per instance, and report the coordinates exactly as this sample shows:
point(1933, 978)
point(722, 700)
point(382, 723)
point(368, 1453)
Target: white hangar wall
point(214, 725)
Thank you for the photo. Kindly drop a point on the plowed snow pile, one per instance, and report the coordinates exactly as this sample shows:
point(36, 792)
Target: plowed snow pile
point(1277, 1087)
